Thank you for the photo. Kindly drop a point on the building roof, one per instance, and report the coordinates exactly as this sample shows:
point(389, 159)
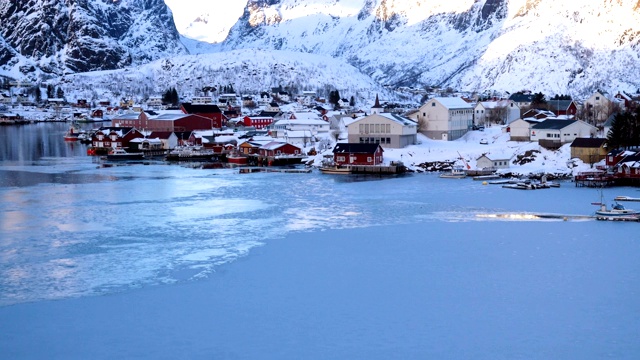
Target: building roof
point(355, 148)
point(453, 102)
point(555, 105)
point(268, 114)
point(521, 98)
point(160, 134)
point(553, 124)
point(127, 116)
point(273, 145)
point(404, 121)
point(190, 108)
point(170, 117)
point(588, 142)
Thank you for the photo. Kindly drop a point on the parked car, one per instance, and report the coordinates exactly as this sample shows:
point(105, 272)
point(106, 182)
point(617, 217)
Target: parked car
point(484, 142)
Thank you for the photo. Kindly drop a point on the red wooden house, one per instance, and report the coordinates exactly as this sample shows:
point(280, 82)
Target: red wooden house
point(258, 122)
point(563, 107)
point(277, 148)
point(628, 166)
point(114, 137)
point(357, 154)
point(213, 112)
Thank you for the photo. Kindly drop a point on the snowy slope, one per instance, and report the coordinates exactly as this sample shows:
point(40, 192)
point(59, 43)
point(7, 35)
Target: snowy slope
point(249, 71)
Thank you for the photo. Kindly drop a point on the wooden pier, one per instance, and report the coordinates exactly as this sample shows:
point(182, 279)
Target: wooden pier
point(596, 179)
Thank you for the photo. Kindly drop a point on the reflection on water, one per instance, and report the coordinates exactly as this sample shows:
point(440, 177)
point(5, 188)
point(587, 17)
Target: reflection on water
point(22, 144)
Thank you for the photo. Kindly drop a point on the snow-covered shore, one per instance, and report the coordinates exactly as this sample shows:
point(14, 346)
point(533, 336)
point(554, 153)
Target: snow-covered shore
point(469, 148)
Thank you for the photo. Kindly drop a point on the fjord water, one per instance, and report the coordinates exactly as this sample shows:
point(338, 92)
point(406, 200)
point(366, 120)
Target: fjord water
point(151, 260)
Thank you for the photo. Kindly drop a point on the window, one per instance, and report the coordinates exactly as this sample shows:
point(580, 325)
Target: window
point(369, 159)
point(433, 104)
point(388, 128)
point(340, 158)
point(361, 129)
point(378, 128)
point(366, 128)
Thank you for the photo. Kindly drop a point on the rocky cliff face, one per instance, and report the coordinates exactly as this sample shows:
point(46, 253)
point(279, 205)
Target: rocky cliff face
point(553, 46)
point(61, 36)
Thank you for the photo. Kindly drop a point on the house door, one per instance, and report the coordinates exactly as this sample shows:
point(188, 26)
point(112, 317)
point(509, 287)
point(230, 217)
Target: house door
point(444, 136)
point(352, 159)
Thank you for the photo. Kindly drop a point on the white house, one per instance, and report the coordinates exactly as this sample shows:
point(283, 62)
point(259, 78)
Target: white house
point(493, 161)
point(387, 129)
point(552, 133)
point(154, 102)
point(281, 128)
point(520, 129)
point(201, 100)
point(445, 118)
point(598, 106)
point(495, 112)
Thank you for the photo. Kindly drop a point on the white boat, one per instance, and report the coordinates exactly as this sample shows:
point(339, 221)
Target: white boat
point(616, 212)
point(527, 185)
point(457, 172)
point(190, 153)
point(626, 198)
point(122, 154)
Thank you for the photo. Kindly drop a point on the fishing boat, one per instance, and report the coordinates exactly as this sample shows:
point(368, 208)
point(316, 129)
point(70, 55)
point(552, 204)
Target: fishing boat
point(119, 154)
point(616, 212)
point(457, 172)
point(190, 153)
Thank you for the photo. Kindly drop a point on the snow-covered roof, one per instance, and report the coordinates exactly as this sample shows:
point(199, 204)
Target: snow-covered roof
point(398, 118)
point(170, 117)
point(306, 115)
point(453, 102)
point(302, 122)
point(141, 140)
point(127, 116)
point(273, 145)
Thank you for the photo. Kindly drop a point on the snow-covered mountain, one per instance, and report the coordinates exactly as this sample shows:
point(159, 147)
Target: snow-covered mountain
point(544, 45)
point(556, 47)
point(61, 36)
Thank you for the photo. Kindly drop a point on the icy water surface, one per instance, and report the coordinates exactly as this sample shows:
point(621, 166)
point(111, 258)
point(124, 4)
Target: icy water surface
point(71, 226)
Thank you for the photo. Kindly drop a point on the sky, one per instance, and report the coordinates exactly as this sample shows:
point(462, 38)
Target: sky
point(226, 13)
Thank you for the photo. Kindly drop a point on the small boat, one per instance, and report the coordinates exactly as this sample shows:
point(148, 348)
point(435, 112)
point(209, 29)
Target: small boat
point(527, 185)
point(626, 198)
point(122, 154)
point(336, 169)
point(190, 153)
point(73, 133)
point(457, 172)
point(616, 212)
